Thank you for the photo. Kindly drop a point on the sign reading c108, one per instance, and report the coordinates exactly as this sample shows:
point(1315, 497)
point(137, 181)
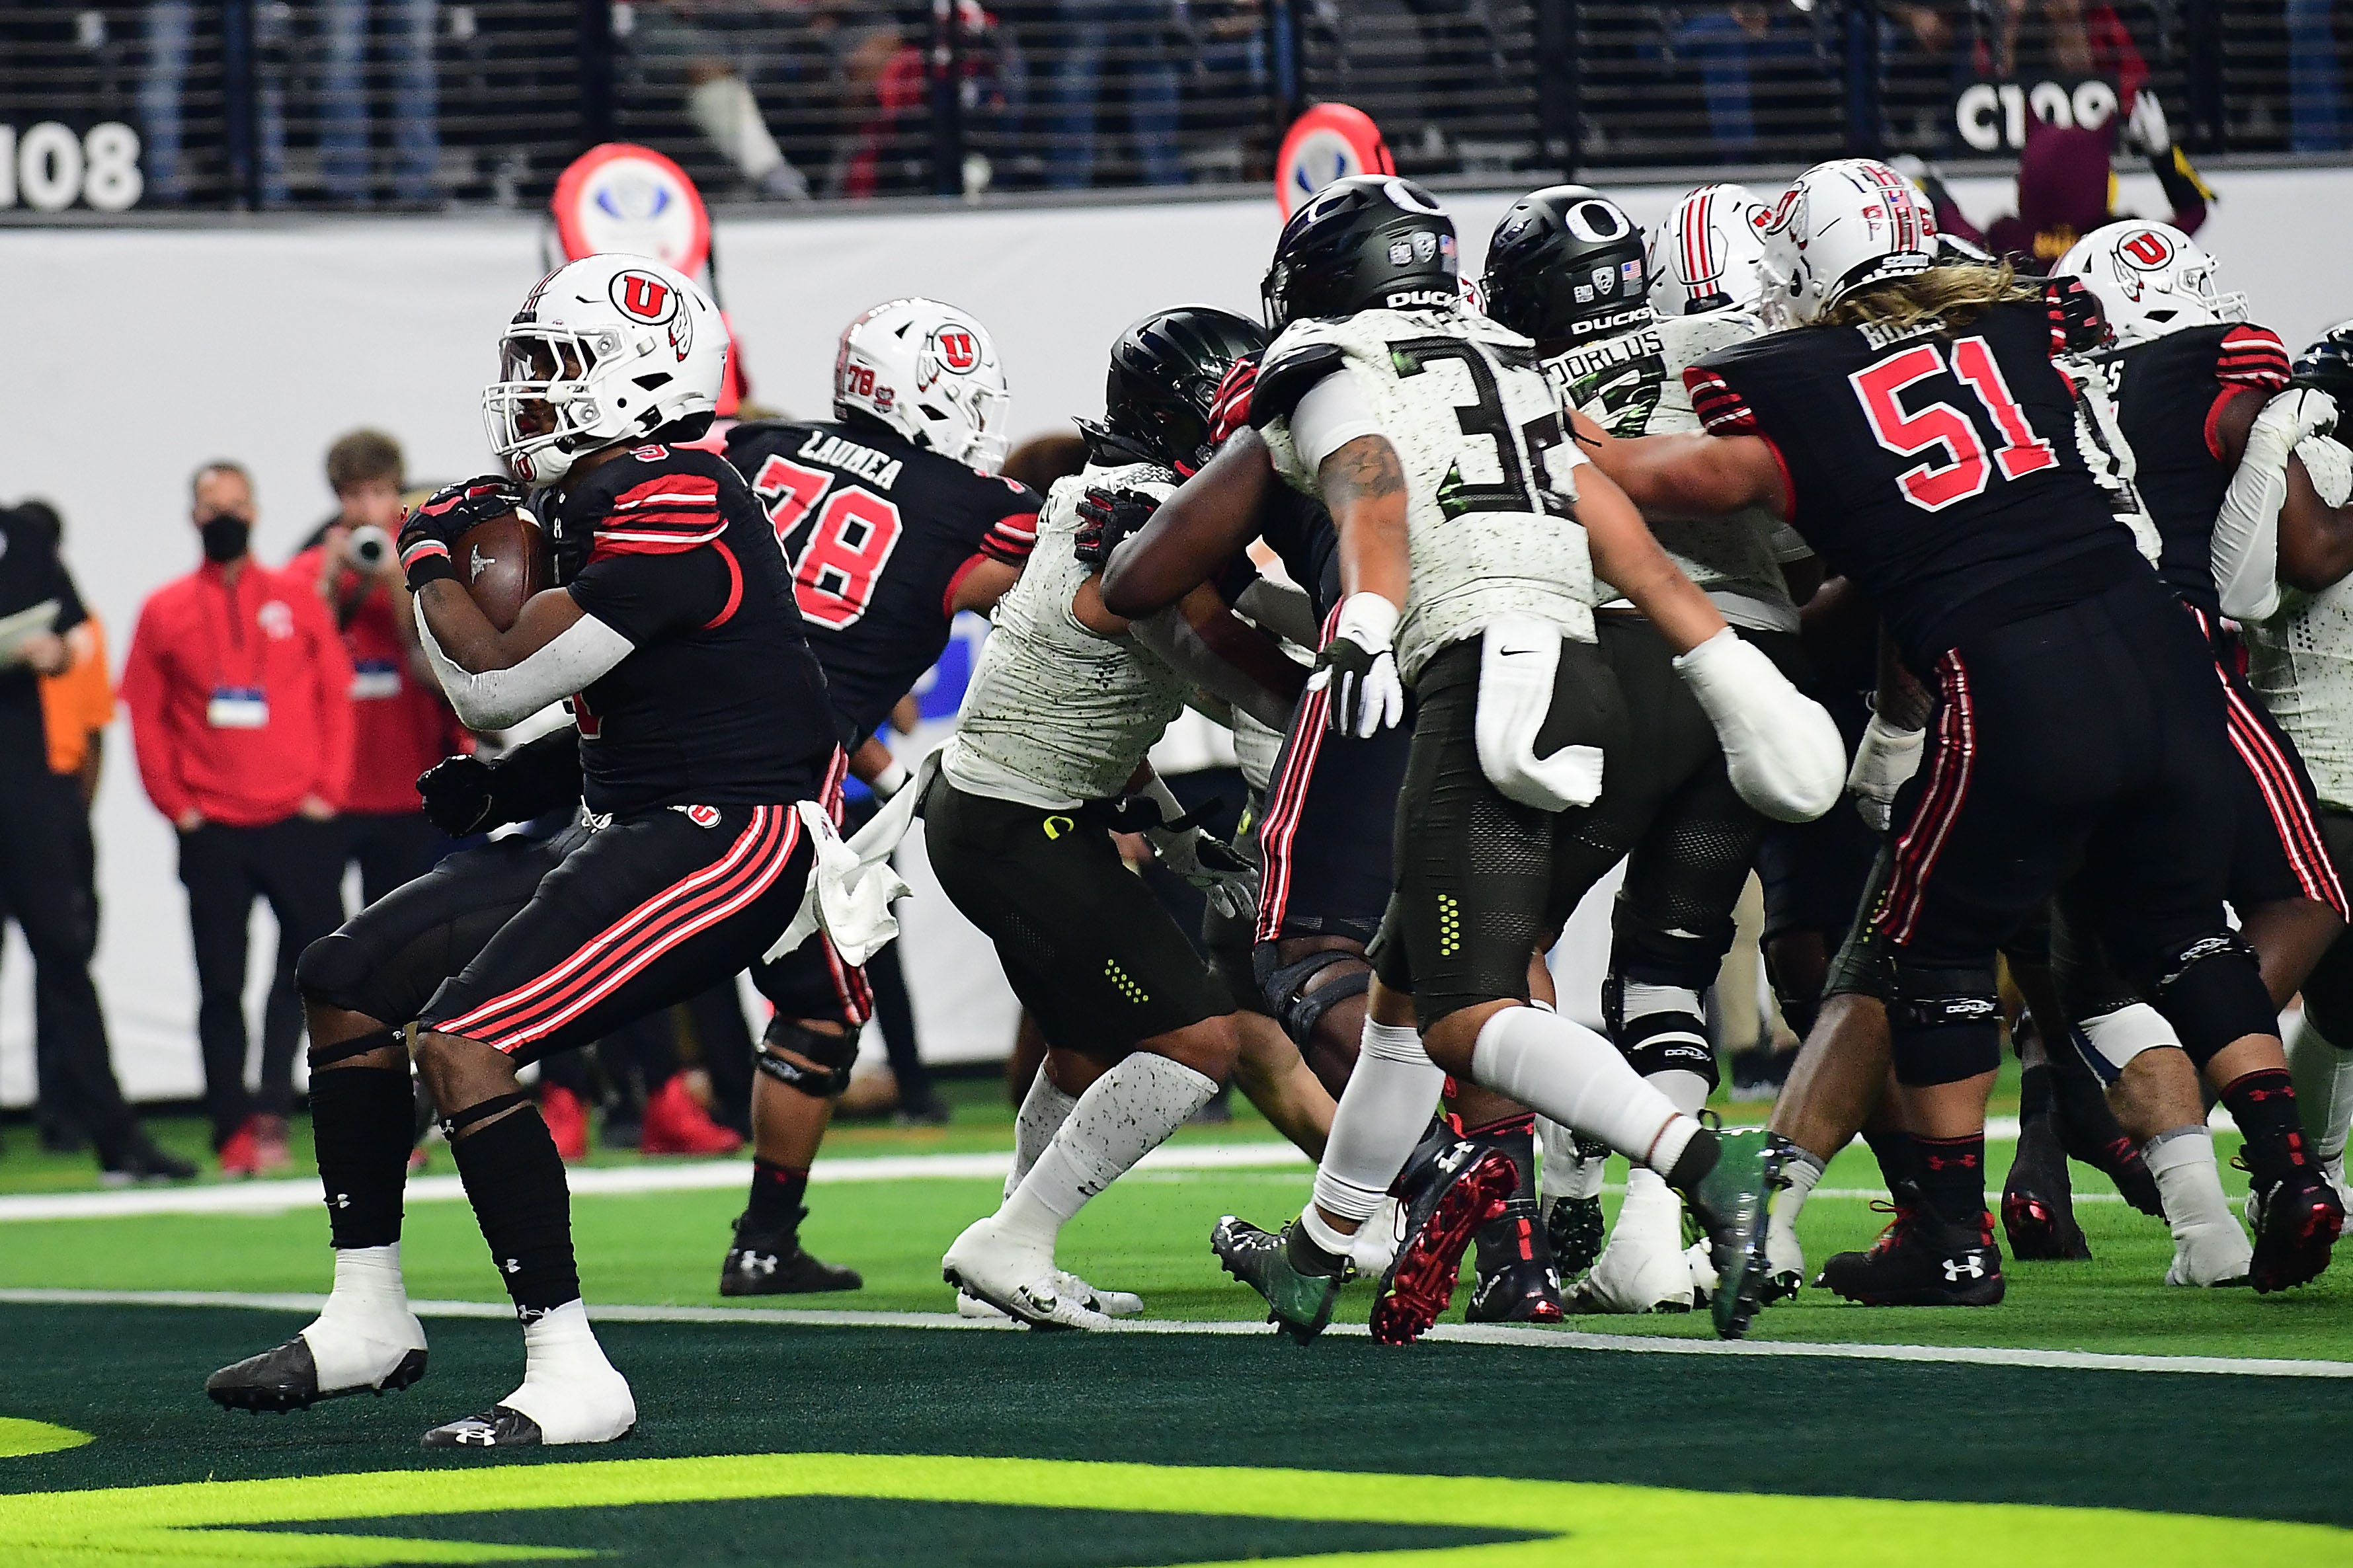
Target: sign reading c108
point(48, 167)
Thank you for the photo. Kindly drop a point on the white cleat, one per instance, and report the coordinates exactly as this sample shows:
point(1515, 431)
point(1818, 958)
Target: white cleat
point(1785, 1262)
point(1017, 1278)
point(2214, 1253)
point(1110, 1303)
point(1643, 1268)
point(1376, 1240)
point(1701, 1260)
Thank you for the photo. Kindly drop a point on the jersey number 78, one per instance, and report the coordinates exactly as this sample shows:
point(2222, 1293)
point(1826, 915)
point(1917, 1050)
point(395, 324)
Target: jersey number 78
point(842, 558)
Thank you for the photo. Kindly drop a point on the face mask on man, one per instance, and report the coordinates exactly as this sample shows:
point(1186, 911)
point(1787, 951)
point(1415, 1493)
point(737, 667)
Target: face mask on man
point(225, 535)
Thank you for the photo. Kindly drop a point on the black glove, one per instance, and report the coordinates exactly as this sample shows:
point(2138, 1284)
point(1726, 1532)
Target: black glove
point(2077, 322)
point(460, 795)
point(445, 516)
point(1106, 518)
point(1366, 696)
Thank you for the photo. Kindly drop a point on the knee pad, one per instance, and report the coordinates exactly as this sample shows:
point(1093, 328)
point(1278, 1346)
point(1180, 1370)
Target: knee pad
point(2108, 1041)
point(2211, 991)
point(1283, 987)
point(1943, 1024)
point(334, 970)
point(1649, 954)
point(834, 1054)
point(1658, 1028)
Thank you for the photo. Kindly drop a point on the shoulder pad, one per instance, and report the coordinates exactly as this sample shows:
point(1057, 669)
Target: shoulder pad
point(2252, 356)
point(1283, 381)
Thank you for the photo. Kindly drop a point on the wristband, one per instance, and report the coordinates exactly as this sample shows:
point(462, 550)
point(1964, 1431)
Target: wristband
point(427, 560)
point(889, 781)
point(1369, 620)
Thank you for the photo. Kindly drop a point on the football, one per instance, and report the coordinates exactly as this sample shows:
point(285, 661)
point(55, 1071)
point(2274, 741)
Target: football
point(502, 562)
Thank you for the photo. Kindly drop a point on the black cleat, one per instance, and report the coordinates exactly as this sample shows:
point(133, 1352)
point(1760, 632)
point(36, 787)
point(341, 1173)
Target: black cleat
point(2038, 1205)
point(142, 1163)
point(1517, 1281)
point(776, 1264)
point(1575, 1230)
point(2302, 1218)
point(1450, 1187)
point(286, 1378)
point(497, 1428)
point(1920, 1263)
point(1301, 1282)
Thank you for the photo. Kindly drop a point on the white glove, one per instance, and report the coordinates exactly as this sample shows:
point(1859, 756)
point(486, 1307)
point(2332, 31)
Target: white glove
point(1360, 668)
point(1782, 751)
point(2147, 129)
point(2245, 555)
point(1883, 763)
point(1212, 865)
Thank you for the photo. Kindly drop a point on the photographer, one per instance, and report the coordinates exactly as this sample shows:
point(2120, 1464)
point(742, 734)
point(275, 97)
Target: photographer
point(400, 724)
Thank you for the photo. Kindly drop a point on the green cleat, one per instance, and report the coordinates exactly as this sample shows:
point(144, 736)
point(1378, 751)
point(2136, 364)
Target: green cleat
point(1299, 1299)
point(1730, 1203)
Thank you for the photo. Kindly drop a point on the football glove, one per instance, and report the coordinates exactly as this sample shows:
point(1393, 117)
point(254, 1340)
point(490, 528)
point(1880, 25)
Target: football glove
point(1780, 749)
point(445, 516)
point(1358, 668)
point(460, 794)
point(1212, 865)
point(1229, 409)
point(2145, 129)
point(1883, 763)
point(1106, 518)
point(2078, 325)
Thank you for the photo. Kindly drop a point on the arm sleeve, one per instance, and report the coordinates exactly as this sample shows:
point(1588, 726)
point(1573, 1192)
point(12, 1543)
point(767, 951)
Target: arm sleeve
point(145, 692)
point(2182, 187)
point(1333, 413)
point(499, 699)
point(1011, 537)
point(1720, 408)
point(332, 663)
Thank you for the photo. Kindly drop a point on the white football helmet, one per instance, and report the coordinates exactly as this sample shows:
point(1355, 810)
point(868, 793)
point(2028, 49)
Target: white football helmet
point(2151, 278)
point(1704, 256)
point(1844, 224)
point(605, 350)
point(931, 372)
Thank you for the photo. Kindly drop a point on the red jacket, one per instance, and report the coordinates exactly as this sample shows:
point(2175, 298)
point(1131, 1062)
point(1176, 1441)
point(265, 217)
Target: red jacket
point(402, 723)
point(200, 646)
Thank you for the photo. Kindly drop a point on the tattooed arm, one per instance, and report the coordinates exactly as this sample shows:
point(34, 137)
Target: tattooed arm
point(1363, 486)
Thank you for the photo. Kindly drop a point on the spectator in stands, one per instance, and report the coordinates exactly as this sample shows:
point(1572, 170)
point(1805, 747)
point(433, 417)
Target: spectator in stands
point(48, 644)
point(1134, 35)
point(239, 692)
point(673, 52)
point(400, 722)
point(172, 44)
point(402, 33)
point(2315, 98)
point(1727, 47)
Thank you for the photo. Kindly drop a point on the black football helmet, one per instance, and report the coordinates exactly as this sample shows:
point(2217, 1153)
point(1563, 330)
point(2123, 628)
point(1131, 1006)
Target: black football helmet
point(1566, 263)
point(1164, 372)
point(1363, 242)
point(2327, 366)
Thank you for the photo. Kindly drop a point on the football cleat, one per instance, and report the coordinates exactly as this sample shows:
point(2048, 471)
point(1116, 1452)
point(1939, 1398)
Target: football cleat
point(286, 1378)
point(1517, 1281)
point(497, 1428)
point(2037, 1205)
point(1451, 1189)
point(1730, 1203)
point(1017, 1277)
point(1110, 1303)
point(1573, 1168)
point(1927, 1265)
point(1575, 1229)
point(776, 1264)
point(1375, 1241)
point(1289, 1272)
point(2302, 1218)
point(2214, 1253)
point(1643, 1268)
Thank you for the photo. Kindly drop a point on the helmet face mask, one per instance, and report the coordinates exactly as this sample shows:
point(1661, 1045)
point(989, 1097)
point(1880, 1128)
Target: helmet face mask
point(1366, 242)
point(2327, 366)
point(605, 350)
point(929, 371)
point(1842, 226)
point(1566, 263)
point(1706, 255)
point(2151, 279)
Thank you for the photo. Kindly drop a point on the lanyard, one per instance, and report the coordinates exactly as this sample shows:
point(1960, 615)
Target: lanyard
point(232, 594)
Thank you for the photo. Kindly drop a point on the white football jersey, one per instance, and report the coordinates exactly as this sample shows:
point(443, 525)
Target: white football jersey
point(2300, 662)
point(1633, 384)
point(1489, 467)
point(2100, 438)
point(1057, 716)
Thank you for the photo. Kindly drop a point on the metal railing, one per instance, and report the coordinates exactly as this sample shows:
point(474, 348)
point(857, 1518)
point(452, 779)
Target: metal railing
point(422, 103)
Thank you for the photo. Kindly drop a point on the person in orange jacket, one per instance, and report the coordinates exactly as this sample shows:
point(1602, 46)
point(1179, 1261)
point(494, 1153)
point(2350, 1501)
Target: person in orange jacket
point(239, 692)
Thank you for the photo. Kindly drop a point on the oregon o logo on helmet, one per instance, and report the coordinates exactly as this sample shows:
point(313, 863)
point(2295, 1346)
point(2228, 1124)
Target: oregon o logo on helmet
point(1596, 222)
point(642, 297)
point(956, 349)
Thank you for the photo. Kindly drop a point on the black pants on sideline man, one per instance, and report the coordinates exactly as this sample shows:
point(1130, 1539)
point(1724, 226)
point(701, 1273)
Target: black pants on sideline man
point(297, 865)
point(46, 886)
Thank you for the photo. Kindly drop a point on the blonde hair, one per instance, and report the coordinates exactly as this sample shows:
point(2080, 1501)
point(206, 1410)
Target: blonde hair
point(1952, 294)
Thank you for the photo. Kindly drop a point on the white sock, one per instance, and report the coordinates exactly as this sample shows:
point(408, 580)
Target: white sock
point(725, 109)
point(568, 1386)
point(1562, 1173)
point(1043, 1111)
point(1123, 1116)
point(2324, 1087)
point(1798, 1175)
point(1652, 1211)
point(2188, 1181)
point(366, 1327)
point(1380, 1117)
point(1564, 1070)
point(1686, 1091)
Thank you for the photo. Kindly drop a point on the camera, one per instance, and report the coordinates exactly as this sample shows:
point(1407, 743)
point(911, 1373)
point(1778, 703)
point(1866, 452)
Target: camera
point(369, 548)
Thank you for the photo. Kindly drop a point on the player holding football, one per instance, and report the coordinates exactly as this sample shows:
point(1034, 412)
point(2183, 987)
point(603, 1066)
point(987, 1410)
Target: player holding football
point(1470, 551)
point(700, 721)
point(894, 522)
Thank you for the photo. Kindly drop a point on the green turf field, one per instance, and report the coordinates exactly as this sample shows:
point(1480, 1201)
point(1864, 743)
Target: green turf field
point(780, 1438)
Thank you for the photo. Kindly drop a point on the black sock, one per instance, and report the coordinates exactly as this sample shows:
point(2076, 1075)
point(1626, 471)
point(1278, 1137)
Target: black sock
point(2263, 1105)
point(777, 1192)
point(1698, 1158)
point(1511, 1234)
point(2034, 1091)
point(362, 1120)
point(1893, 1149)
point(514, 1179)
point(1951, 1176)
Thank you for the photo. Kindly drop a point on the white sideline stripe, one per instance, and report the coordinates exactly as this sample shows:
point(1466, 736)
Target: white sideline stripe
point(1448, 1333)
point(285, 1196)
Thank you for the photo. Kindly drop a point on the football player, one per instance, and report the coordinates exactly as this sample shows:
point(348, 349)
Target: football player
point(1910, 428)
point(893, 523)
point(1469, 546)
point(700, 720)
point(1047, 758)
point(1568, 268)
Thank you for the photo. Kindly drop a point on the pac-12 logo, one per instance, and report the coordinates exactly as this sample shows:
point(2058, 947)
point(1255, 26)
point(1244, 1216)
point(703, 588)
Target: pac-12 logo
point(956, 349)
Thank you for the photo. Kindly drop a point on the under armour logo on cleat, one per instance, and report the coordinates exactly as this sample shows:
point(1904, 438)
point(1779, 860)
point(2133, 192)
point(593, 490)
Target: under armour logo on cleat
point(1955, 1268)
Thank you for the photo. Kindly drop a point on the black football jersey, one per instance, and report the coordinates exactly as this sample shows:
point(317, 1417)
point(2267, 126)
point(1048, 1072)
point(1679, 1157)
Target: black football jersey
point(879, 533)
point(2169, 394)
point(1938, 468)
point(721, 702)
point(1295, 527)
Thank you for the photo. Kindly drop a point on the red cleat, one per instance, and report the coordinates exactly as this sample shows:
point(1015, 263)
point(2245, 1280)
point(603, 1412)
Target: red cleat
point(1467, 1189)
point(676, 1125)
point(567, 1121)
point(241, 1155)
